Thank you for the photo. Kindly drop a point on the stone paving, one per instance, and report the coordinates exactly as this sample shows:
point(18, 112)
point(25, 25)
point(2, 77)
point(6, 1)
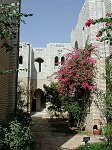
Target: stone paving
point(46, 139)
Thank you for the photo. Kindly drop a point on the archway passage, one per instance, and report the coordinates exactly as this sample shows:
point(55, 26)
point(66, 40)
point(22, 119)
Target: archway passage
point(38, 101)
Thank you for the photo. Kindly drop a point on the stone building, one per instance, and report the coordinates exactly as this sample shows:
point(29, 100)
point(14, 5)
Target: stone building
point(93, 9)
point(8, 60)
point(42, 62)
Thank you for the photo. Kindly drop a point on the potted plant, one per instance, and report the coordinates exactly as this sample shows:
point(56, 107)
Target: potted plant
point(96, 130)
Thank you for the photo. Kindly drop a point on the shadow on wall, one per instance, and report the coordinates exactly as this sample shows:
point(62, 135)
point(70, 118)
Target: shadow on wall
point(33, 83)
point(33, 70)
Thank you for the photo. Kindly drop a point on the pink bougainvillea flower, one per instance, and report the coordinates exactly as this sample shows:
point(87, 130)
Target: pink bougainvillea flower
point(82, 63)
point(92, 61)
point(95, 46)
point(89, 87)
point(89, 22)
point(77, 75)
point(107, 23)
point(77, 56)
point(85, 85)
point(97, 38)
point(77, 72)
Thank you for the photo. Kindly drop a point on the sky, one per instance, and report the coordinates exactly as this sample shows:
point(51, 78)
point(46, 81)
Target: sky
point(52, 21)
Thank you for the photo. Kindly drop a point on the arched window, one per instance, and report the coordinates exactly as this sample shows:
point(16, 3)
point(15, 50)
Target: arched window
point(76, 44)
point(56, 61)
point(40, 61)
point(62, 60)
point(20, 60)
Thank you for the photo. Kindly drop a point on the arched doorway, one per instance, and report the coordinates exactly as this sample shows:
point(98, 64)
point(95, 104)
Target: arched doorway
point(38, 101)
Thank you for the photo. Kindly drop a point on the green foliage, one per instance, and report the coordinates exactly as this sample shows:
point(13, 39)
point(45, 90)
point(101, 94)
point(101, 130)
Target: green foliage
point(74, 108)
point(74, 111)
point(16, 133)
point(10, 18)
point(21, 116)
point(105, 31)
point(11, 71)
point(95, 146)
point(52, 96)
point(107, 131)
point(2, 136)
point(18, 137)
point(60, 104)
point(22, 93)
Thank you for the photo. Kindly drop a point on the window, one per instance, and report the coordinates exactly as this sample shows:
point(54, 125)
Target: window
point(56, 61)
point(40, 61)
point(76, 45)
point(62, 60)
point(20, 60)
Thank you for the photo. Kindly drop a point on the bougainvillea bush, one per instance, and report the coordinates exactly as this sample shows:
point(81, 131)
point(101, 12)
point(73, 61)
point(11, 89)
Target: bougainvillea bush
point(105, 33)
point(76, 78)
point(77, 73)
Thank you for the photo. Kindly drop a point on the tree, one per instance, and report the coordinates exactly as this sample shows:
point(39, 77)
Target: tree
point(52, 96)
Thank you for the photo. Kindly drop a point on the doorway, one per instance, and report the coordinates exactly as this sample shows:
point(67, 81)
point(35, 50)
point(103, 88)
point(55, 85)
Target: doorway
point(38, 101)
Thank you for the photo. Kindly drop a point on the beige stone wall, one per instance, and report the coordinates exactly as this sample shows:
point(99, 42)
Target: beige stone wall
point(93, 9)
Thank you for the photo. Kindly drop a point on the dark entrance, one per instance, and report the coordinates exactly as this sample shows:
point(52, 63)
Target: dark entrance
point(38, 101)
point(34, 104)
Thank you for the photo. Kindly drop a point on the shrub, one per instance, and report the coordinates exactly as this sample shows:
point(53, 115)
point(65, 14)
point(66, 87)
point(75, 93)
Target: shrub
point(21, 116)
point(18, 137)
point(107, 131)
point(16, 133)
point(95, 146)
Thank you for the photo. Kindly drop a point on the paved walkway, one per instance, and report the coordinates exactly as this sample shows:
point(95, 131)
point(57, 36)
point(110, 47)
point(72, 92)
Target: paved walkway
point(48, 139)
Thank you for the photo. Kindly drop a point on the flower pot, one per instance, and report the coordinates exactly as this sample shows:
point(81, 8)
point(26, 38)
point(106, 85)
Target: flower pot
point(96, 132)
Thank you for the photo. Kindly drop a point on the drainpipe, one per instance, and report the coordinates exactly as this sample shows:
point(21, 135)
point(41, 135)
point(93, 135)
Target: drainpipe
point(28, 78)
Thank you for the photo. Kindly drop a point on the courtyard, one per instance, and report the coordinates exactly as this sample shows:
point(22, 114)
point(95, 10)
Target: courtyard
point(53, 134)
point(56, 97)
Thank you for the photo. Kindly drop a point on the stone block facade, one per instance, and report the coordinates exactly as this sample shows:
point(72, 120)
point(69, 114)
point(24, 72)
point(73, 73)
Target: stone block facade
point(93, 9)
